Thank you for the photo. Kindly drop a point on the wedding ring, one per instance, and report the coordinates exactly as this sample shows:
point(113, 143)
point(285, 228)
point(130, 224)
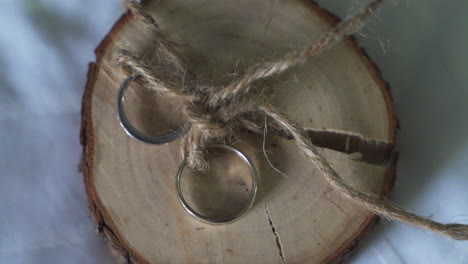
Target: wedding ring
point(225, 219)
point(134, 132)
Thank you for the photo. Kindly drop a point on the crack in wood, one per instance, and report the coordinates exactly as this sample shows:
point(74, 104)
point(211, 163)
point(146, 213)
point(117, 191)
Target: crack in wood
point(376, 152)
point(111, 239)
point(373, 151)
point(336, 205)
point(276, 234)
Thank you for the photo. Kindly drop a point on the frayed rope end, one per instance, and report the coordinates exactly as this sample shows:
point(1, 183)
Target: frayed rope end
point(455, 231)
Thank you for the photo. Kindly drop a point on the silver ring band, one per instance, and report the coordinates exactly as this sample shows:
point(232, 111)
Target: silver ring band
point(134, 132)
point(231, 218)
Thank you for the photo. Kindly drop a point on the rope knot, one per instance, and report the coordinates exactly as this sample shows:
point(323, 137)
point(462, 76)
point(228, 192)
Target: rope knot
point(207, 126)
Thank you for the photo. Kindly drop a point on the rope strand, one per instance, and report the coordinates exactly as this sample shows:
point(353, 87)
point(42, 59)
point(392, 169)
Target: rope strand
point(326, 41)
point(368, 201)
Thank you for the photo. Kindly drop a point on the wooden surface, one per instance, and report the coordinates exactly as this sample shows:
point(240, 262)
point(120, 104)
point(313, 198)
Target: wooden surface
point(297, 218)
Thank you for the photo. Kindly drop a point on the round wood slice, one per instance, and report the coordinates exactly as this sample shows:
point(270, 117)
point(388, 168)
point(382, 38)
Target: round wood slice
point(297, 217)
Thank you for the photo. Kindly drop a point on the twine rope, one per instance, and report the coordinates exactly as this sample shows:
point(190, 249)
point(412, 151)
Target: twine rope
point(215, 113)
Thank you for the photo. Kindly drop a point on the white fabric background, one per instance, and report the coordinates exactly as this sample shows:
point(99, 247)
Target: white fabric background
point(45, 46)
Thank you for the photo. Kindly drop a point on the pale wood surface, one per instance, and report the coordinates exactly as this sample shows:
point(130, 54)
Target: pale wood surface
point(131, 184)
